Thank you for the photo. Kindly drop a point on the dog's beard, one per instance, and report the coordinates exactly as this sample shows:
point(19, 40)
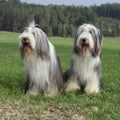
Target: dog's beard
point(26, 47)
point(84, 48)
point(27, 50)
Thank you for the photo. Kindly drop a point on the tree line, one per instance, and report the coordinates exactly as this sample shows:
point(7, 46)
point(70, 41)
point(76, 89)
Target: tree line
point(59, 20)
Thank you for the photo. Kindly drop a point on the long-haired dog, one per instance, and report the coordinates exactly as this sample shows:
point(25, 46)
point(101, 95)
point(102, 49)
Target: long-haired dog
point(41, 63)
point(85, 70)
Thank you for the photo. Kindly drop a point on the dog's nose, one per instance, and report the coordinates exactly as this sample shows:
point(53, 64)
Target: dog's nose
point(25, 39)
point(83, 39)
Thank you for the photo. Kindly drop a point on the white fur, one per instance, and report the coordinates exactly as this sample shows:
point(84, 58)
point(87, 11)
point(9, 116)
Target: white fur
point(52, 56)
point(37, 69)
point(73, 84)
point(83, 72)
point(88, 36)
point(29, 36)
point(41, 64)
point(84, 67)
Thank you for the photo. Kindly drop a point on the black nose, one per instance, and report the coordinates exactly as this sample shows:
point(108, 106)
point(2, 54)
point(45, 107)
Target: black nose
point(25, 39)
point(83, 39)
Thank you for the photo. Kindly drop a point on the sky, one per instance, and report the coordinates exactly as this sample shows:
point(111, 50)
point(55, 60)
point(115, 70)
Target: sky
point(71, 2)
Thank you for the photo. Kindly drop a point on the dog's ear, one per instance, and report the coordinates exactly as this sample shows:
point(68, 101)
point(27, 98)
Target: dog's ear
point(100, 36)
point(75, 36)
point(42, 47)
point(99, 40)
point(75, 48)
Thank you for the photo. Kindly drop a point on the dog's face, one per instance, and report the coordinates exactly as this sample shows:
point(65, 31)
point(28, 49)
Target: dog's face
point(27, 41)
point(33, 41)
point(88, 40)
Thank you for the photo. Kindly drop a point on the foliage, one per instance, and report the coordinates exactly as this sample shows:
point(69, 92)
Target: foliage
point(109, 26)
point(108, 10)
point(58, 20)
point(14, 104)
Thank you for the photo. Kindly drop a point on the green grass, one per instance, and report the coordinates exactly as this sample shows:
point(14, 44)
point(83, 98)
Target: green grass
point(69, 106)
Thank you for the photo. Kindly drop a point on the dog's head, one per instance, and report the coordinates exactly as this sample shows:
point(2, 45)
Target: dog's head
point(33, 40)
point(88, 39)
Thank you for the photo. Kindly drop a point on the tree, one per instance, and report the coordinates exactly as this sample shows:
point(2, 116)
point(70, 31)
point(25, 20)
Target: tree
point(64, 30)
point(59, 30)
point(59, 20)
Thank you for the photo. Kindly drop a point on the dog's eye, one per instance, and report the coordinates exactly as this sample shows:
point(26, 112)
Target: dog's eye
point(90, 32)
point(33, 34)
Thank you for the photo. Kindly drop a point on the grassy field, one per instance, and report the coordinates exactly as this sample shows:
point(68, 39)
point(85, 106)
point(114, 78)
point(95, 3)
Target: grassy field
point(14, 105)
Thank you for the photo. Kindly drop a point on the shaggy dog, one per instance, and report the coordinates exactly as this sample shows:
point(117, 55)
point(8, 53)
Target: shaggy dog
point(41, 63)
point(85, 70)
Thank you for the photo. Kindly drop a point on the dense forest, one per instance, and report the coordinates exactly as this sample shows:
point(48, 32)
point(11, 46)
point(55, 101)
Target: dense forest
point(59, 20)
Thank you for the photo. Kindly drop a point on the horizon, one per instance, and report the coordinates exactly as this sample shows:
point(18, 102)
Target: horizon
point(71, 2)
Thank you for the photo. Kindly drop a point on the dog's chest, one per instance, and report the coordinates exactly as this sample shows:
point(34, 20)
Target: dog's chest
point(37, 69)
point(84, 67)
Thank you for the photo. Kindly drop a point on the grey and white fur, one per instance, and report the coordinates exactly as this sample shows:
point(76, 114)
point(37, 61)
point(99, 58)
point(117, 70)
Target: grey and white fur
point(85, 70)
point(42, 67)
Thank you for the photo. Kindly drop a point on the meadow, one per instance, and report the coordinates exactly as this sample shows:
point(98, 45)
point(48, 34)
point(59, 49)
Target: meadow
point(15, 105)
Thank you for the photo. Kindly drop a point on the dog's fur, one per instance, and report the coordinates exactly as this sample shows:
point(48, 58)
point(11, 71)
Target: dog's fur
point(85, 70)
point(41, 63)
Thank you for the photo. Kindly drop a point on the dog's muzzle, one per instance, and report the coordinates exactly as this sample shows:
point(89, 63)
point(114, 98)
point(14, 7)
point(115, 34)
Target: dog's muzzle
point(26, 44)
point(84, 45)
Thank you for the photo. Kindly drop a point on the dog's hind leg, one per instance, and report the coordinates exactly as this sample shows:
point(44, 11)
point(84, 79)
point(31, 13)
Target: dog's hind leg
point(72, 84)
